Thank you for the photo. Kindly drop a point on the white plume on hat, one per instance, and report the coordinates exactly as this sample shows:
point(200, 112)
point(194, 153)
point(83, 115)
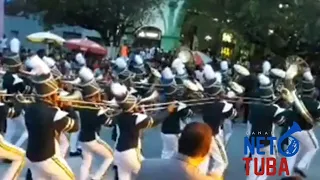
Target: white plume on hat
point(208, 72)
point(121, 63)
point(167, 73)
point(308, 76)
point(138, 59)
point(263, 79)
point(49, 61)
point(224, 65)
point(278, 72)
point(80, 59)
point(37, 66)
point(266, 66)
point(85, 74)
point(118, 90)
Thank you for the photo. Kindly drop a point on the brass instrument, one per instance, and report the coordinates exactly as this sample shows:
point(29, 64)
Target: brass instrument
point(295, 66)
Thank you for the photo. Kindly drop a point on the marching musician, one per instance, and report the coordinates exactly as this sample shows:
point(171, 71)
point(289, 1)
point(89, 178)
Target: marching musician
point(44, 121)
point(63, 139)
point(130, 123)
point(214, 115)
point(174, 123)
point(309, 144)
point(7, 150)
point(13, 83)
point(262, 118)
point(91, 122)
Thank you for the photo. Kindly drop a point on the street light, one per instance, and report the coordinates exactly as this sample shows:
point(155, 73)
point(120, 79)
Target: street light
point(270, 31)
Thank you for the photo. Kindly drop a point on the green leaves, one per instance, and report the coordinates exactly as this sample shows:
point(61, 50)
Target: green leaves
point(252, 19)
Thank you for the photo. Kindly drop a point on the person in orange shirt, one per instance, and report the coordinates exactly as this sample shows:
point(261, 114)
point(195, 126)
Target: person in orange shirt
point(124, 51)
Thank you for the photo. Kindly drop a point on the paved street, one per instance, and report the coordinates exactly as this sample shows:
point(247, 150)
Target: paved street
point(152, 147)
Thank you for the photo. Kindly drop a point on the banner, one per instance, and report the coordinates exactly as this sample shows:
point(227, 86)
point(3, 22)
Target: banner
point(1, 18)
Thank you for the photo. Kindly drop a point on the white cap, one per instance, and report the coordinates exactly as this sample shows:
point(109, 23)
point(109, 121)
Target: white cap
point(118, 90)
point(167, 73)
point(85, 74)
point(37, 66)
point(263, 79)
point(224, 65)
point(80, 59)
point(121, 63)
point(208, 72)
point(308, 76)
point(138, 59)
point(266, 66)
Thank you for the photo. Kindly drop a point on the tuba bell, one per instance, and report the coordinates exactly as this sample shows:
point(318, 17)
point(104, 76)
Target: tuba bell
point(295, 66)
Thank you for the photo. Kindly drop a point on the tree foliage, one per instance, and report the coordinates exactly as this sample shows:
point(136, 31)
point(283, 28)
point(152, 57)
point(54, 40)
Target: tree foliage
point(280, 25)
point(105, 16)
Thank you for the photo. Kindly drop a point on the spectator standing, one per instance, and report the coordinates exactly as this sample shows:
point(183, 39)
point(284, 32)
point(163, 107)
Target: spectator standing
point(194, 144)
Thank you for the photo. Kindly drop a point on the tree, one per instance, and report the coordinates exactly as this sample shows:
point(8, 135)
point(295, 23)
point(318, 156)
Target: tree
point(108, 17)
point(279, 25)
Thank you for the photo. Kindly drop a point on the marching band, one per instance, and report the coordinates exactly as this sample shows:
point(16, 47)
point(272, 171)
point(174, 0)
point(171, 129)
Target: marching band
point(34, 95)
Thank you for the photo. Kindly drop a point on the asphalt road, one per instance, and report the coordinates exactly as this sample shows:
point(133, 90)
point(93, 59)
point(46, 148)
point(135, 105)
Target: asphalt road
point(152, 148)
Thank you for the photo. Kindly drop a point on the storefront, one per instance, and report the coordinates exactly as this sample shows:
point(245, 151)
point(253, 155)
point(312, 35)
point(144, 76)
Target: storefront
point(147, 37)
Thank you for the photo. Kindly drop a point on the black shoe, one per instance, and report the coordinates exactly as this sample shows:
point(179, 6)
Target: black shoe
point(7, 161)
point(75, 154)
point(300, 172)
point(29, 175)
point(116, 175)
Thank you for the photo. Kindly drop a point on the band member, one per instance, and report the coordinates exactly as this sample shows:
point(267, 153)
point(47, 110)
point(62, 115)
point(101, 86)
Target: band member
point(7, 150)
point(307, 139)
point(14, 84)
point(91, 122)
point(214, 115)
point(175, 122)
point(129, 125)
point(262, 118)
point(44, 120)
point(225, 74)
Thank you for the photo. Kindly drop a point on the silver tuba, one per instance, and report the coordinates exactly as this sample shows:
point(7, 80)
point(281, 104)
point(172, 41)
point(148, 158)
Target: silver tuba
point(295, 66)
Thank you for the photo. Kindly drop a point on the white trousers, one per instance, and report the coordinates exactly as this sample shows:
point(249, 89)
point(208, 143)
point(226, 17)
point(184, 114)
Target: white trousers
point(227, 131)
point(16, 155)
point(128, 163)
point(217, 161)
point(98, 147)
point(64, 144)
point(169, 145)
point(308, 148)
point(55, 168)
point(252, 175)
point(14, 125)
point(74, 145)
